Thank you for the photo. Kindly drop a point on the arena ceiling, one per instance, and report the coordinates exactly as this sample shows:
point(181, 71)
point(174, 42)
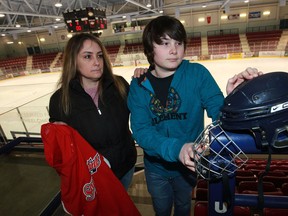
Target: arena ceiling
point(39, 15)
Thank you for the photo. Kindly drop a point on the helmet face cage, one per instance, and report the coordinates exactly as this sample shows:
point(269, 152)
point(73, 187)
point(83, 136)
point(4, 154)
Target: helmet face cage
point(216, 154)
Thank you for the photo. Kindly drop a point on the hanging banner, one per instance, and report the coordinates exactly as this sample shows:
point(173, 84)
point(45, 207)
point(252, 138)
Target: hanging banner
point(233, 16)
point(253, 15)
point(208, 18)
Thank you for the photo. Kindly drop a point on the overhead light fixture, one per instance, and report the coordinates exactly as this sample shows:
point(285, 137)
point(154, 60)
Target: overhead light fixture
point(266, 13)
point(149, 4)
point(57, 19)
point(246, 1)
point(161, 11)
point(2, 15)
point(243, 15)
point(223, 17)
point(28, 30)
point(204, 6)
point(58, 4)
point(17, 25)
point(201, 19)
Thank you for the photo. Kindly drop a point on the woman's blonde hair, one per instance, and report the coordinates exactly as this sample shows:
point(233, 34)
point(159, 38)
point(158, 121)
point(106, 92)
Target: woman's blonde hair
point(70, 72)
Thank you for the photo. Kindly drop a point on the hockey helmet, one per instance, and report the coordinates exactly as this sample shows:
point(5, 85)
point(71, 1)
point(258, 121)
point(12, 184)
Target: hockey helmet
point(260, 106)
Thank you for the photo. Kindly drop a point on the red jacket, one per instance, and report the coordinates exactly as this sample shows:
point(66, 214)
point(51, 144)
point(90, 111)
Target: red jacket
point(88, 186)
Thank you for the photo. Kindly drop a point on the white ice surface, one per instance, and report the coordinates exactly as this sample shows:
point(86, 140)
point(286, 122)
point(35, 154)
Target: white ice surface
point(21, 90)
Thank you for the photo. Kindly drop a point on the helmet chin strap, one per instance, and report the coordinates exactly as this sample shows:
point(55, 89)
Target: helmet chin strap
point(260, 179)
point(227, 197)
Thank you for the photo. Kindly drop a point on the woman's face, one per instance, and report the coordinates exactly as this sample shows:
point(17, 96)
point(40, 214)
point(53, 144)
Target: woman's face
point(90, 62)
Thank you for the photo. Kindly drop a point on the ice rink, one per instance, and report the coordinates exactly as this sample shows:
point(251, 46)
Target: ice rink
point(32, 93)
point(20, 90)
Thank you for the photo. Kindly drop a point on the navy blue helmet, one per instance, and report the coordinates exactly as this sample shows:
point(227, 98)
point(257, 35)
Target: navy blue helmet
point(260, 106)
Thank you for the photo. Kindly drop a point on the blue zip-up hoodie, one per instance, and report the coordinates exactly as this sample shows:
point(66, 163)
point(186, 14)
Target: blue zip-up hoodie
point(162, 131)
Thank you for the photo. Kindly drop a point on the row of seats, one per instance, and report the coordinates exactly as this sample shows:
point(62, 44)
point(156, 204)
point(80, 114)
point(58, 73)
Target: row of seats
point(133, 48)
point(260, 41)
point(201, 209)
point(275, 183)
point(263, 41)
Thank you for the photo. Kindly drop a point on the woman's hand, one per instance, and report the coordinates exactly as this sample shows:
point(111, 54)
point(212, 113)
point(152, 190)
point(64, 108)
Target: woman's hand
point(236, 80)
point(59, 123)
point(139, 71)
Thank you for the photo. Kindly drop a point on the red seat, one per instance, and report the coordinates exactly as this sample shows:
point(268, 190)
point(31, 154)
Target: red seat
point(277, 180)
point(253, 186)
point(202, 183)
point(201, 209)
point(244, 178)
point(284, 189)
point(274, 212)
point(272, 173)
point(241, 211)
point(201, 194)
point(241, 172)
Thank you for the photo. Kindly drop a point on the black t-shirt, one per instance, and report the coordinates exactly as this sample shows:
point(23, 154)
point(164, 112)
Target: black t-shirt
point(161, 86)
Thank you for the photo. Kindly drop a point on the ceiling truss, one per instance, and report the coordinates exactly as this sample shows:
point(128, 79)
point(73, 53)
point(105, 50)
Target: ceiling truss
point(38, 15)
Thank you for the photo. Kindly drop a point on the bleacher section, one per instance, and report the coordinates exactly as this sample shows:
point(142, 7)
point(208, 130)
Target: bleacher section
point(43, 61)
point(194, 47)
point(13, 65)
point(263, 41)
point(275, 183)
point(216, 43)
point(133, 48)
point(222, 44)
point(113, 51)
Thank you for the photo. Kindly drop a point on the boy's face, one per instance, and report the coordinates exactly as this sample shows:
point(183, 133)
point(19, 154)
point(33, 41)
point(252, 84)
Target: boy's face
point(169, 54)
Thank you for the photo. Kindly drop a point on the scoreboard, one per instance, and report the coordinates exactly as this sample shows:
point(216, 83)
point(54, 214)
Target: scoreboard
point(85, 20)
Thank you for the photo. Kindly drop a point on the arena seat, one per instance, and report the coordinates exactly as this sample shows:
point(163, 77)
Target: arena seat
point(241, 172)
point(201, 194)
point(201, 209)
point(202, 183)
point(284, 189)
point(240, 179)
point(273, 173)
point(253, 186)
point(278, 181)
point(274, 212)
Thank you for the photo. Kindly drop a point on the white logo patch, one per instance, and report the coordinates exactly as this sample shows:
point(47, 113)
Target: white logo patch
point(279, 107)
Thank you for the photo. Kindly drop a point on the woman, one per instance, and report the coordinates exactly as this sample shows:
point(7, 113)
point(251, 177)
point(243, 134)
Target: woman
point(94, 102)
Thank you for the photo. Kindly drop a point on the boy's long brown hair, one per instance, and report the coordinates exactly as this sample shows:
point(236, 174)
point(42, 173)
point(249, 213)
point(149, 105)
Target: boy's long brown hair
point(159, 27)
